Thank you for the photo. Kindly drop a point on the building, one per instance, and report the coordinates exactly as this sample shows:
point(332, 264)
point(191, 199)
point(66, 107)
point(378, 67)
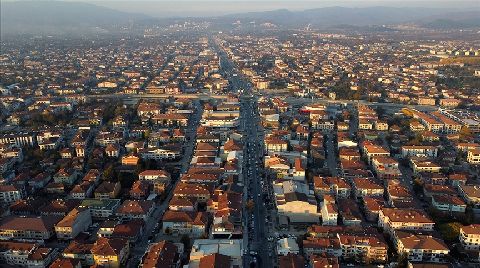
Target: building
point(449, 203)
point(391, 219)
point(162, 254)
point(371, 150)
point(419, 151)
point(183, 222)
point(421, 248)
point(470, 194)
point(329, 213)
point(22, 254)
point(363, 248)
point(136, 209)
point(110, 252)
point(473, 156)
point(291, 260)
point(366, 187)
point(287, 246)
point(11, 193)
point(100, 208)
point(159, 179)
point(31, 228)
point(295, 200)
point(76, 221)
point(203, 249)
point(331, 185)
point(470, 237)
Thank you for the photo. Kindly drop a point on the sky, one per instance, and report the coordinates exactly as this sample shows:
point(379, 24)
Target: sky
point(182, 8)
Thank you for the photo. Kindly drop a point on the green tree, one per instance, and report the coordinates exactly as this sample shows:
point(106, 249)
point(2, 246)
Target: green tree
point(250, 205)
point(450, 231)
point(126, 179)
point(402, 260)
point(109, 173)
point(185, 240)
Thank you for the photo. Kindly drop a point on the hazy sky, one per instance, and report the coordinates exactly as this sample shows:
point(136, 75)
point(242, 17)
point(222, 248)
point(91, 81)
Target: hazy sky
point(168, 8)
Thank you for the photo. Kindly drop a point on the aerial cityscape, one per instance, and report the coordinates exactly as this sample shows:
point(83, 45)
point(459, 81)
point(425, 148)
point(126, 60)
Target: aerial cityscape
point(269, 137)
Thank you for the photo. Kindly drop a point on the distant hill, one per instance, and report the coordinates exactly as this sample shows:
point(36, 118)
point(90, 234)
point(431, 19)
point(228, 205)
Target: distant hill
point(64, 17)
point(332, 16)
point(57, 17)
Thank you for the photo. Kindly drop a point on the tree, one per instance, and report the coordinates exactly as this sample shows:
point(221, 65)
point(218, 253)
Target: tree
point(126, 179)
point(402, 261)
point(109, 173)
point(250, 205)
point(450, 231)
point(185, 240)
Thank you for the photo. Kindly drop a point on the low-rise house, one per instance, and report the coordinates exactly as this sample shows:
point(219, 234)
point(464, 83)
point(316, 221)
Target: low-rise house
point(371, 150)
point(331, 185)
point(31, 228)
point(366, 187)
point(130, 160)
point(372, 207)
point(329, 212)
point(318, 246)
point(217, 253)
point(470, 237)
point(183, 204)
point(473, 156)
point(23, 254)
point(182, 222)
point(398, 193)
point(100, 208)
point(448, 203)
point(470, 194)
point(79, 250)
point(82, 190)
point(155, 153)
point(159, 179)
point(420, 165)
point(11, 193)
point(275, 145)
point(421, 248)
point(287, 246)
point(112, 150)
point(349, 212)
point(136, 209)
point(386, 167)
point(106, 228)
point(363, 248)
point(131, 230)
point(65, 176)
point(391, 219)
point(291, 260)
point(78, 220)
point(66, 263)
point(201, 192)
point(140, 190)
point(108, 190)
point(162, 254)
point(110, 252)
point(381, 125)
point(324, 261)
point(419, 151)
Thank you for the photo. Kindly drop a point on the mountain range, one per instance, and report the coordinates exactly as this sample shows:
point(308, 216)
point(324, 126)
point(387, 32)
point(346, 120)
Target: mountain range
point(59, 17)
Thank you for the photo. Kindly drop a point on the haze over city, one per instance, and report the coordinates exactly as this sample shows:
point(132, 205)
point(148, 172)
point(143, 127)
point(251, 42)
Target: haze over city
point(227, 134)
